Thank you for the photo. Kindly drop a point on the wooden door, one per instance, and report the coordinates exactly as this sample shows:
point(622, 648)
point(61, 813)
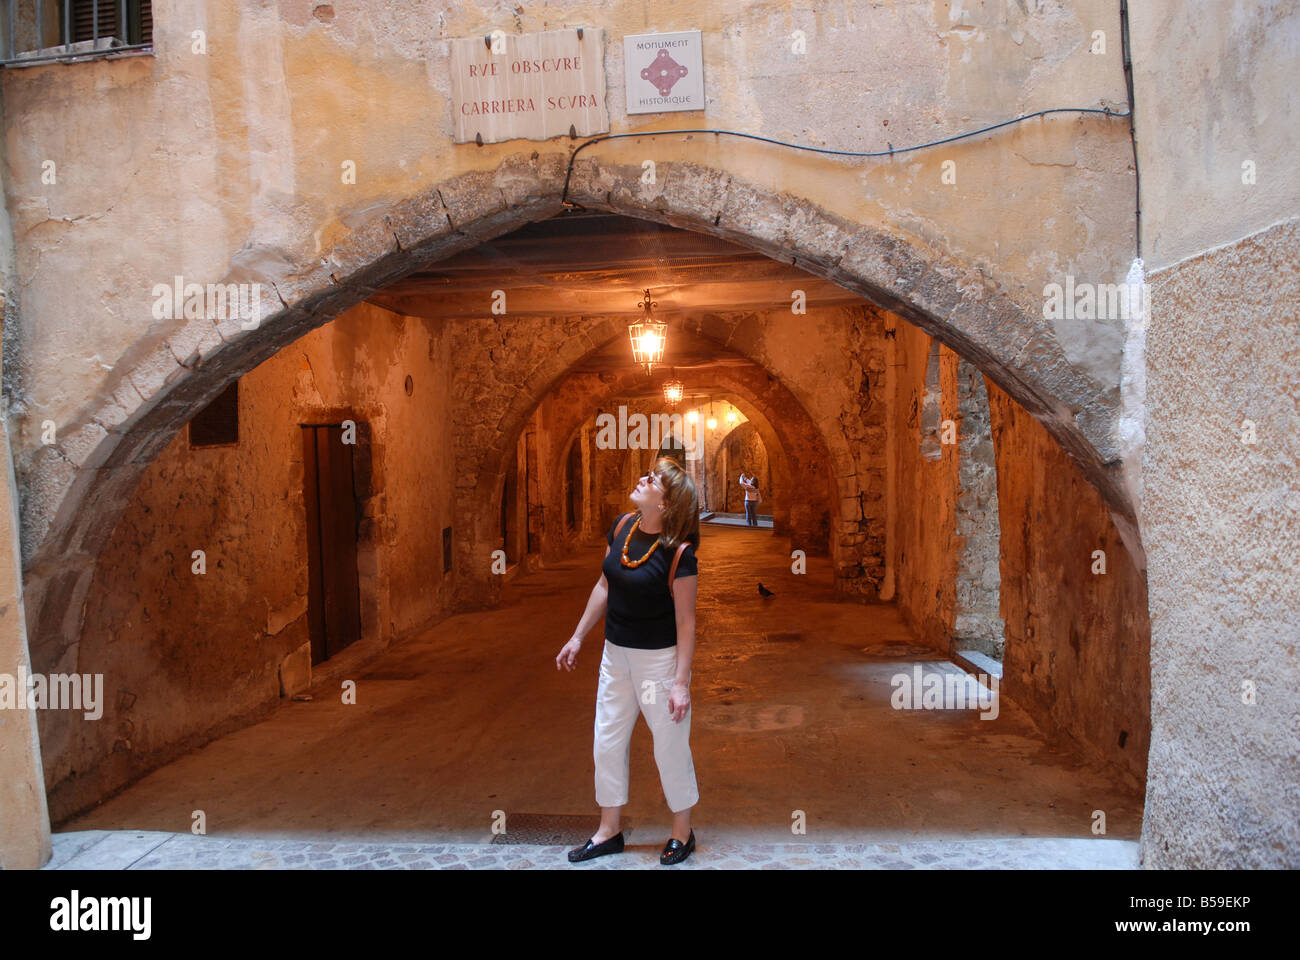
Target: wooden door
point(334, 592)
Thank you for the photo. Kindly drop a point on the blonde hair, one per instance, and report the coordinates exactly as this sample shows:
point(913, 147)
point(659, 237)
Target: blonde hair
point(681, 516)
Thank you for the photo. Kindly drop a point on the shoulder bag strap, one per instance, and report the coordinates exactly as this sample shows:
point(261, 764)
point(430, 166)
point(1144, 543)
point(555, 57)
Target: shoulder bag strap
point(672, 571)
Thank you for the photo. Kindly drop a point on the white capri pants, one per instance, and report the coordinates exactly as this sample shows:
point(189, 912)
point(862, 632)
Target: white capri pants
point(624, 672)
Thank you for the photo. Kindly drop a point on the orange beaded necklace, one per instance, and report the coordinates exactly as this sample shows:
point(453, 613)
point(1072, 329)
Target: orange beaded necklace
point(632, 564)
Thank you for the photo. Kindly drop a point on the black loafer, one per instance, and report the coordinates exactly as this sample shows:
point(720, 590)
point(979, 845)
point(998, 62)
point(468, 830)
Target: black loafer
point(591, 850)
point(675, 851)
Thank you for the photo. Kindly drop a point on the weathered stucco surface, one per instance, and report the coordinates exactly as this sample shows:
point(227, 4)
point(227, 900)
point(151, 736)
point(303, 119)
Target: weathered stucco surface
point(927, 487)
point(1219, 516)
point(304, 95)
point(1214, 83)
point(1222, 520)
point(1077, 642)
point(478, 428)
point(226, 167)
point(186, 656)
point(25, 825)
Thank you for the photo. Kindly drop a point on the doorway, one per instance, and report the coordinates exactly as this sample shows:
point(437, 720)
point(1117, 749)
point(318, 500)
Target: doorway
point(334, 592)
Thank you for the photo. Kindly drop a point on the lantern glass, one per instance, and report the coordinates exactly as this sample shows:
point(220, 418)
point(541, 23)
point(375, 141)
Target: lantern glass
point(673, 391)
point(649, 337)
point(648, 341)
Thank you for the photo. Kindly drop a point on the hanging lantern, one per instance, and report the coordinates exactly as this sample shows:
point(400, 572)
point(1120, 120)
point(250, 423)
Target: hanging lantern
point(692, 416)
point(674, 390)
point(649, 336)
point(731, 416)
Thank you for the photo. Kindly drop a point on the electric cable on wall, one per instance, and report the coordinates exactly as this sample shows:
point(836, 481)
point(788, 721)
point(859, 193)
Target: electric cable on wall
point(564, 197)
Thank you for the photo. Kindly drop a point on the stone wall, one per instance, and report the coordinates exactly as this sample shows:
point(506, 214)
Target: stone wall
point(1077, 639)
point(978, 625)
point(186, 657)
point(813, 388)
point(1075, 643)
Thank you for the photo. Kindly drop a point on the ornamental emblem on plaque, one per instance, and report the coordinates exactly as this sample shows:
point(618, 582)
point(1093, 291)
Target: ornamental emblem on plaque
point(663, 72)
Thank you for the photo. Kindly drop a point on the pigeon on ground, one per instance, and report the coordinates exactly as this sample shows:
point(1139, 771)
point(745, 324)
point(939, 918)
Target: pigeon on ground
point(763, 591)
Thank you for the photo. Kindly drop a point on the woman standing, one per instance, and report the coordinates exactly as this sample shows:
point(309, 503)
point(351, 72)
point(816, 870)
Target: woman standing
point(647, 593)
point(752, 499)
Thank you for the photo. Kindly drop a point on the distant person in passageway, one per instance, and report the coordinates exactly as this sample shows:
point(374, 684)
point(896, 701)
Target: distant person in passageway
point(646, 593)
point(752, 497)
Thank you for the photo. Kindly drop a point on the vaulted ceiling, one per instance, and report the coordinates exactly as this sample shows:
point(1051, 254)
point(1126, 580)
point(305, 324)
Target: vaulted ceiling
point(599, 264)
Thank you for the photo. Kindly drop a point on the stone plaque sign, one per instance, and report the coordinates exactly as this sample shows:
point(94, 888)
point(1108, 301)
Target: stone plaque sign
point(528, 87)
point(665, 71)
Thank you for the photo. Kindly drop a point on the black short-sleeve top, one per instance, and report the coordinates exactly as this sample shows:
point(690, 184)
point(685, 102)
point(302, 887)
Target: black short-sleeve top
point(640, 611)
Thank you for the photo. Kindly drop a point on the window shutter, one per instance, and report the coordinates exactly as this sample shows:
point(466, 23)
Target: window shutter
point(139, 21)
point(83, 19)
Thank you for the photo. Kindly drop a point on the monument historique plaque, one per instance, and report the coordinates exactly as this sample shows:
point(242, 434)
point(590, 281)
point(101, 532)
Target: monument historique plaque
point(664, 72)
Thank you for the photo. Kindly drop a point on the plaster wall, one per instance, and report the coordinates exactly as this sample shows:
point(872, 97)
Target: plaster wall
point(1076, 644)
point(1219, 515)
point(1077, 641)
point(1222, 523)
point(187, 657)
point(25, 827)
point(927, 491)
point(228, 165)
point(1216, 120)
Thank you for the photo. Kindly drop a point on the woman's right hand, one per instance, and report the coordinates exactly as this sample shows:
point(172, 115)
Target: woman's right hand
point(568, 655)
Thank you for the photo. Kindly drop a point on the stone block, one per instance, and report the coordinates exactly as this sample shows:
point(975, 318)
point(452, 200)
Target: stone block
point(277, 620)
point(295, 671)
point(419, 220)
point(86, 446)
point(154, 371)
point(883, 261)
point(194, 342)
point(694, 193)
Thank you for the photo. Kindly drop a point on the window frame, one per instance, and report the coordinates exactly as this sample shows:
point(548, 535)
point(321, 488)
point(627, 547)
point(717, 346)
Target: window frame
point(71, 51)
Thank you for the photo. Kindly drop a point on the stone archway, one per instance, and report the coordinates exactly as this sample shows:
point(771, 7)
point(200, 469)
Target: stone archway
point(75, 490)
point(789, 432)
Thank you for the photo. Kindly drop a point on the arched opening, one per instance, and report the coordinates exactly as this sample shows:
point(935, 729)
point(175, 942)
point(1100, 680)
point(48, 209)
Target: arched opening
point(741, 451)
point(828, 411)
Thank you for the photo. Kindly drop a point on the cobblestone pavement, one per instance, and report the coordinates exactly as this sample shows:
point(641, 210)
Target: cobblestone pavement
point(151, 850)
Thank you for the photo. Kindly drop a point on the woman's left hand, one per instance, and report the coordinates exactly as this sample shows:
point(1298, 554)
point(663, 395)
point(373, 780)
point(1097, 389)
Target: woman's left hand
point(679, 701)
